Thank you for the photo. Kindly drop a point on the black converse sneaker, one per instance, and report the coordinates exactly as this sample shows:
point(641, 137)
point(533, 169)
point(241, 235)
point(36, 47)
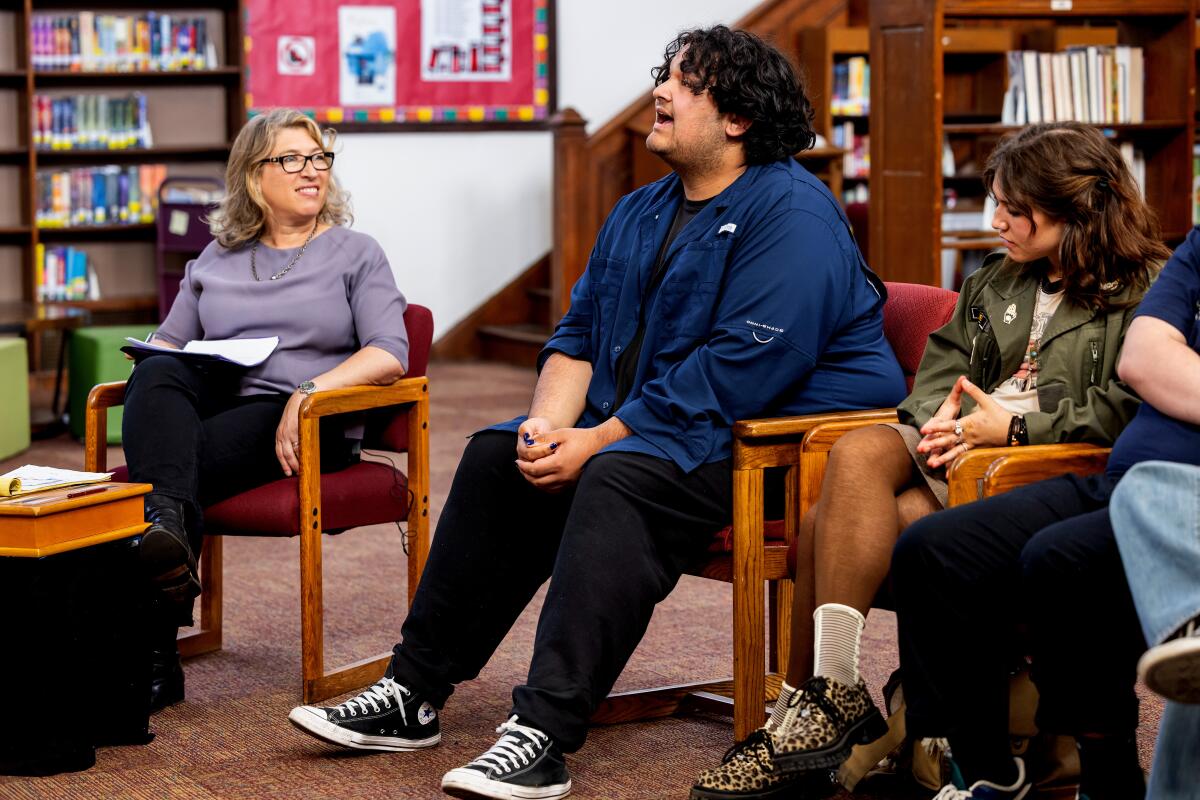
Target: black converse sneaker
point(387, 716)
point(523, 764)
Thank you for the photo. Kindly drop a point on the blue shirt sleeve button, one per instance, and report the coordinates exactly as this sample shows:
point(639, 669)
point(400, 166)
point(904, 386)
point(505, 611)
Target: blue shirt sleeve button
point(604, 405)
point(617, 349)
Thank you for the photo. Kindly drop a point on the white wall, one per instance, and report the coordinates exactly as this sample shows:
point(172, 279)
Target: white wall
point(461, 215)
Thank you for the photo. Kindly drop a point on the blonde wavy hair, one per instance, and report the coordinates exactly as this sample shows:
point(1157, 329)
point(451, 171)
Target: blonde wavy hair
point(242, 215)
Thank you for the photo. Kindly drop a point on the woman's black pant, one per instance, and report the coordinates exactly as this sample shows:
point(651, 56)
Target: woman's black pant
point(186, 431)
point(1042, 556)
point(612, 546)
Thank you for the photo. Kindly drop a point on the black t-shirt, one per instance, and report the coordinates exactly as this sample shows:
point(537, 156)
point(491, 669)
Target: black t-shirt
point(627, 364)
point(1174, 298)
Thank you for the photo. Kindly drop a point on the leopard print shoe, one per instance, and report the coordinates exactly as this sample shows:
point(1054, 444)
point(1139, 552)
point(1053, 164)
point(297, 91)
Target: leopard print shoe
point(747, 772)
point(833, 718)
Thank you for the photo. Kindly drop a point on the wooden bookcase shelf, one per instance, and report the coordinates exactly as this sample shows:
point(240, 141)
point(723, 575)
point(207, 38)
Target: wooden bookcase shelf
point(194, 116)
point(132, 155)
point(84, 233)
point(221, 75)
point(138, 303)
point(821, 51)
point(938, 69)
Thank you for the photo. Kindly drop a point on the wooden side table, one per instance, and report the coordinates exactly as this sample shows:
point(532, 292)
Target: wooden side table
point(74, 626)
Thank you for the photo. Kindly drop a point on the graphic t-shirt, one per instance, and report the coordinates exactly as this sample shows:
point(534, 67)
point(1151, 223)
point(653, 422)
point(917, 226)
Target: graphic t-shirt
point(1174, 298)
point(1018, 394)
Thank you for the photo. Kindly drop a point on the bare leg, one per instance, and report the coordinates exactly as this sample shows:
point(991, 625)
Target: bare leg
point(859, 516)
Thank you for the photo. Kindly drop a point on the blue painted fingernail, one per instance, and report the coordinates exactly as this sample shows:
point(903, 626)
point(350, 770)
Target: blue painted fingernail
point(554, 445)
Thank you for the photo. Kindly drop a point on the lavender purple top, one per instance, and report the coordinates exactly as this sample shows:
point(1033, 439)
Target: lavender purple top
point(341, 296)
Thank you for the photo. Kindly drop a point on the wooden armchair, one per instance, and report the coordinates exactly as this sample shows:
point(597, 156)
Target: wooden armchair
point(367, 493)
point(752, 550)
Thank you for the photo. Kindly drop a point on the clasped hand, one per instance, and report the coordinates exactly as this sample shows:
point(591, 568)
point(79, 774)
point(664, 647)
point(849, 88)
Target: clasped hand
point(986, 426)
point(552, 458)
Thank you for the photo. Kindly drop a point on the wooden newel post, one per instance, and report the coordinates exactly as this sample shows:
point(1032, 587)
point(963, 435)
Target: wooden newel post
point(569, 255)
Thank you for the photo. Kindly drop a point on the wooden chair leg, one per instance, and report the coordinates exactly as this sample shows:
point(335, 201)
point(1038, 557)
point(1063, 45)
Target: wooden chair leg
point(207, 637)
point(749, 680)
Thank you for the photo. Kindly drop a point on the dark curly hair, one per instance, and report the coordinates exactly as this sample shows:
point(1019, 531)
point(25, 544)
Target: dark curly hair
point(749, 78)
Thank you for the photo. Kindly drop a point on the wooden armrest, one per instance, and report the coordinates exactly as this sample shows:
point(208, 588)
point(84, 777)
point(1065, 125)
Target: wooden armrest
point(363, 398)
point(800, 425)
point(107, 395)
point(990, 471)
point(822, 437)
point(1024, 465)
point(964, 476)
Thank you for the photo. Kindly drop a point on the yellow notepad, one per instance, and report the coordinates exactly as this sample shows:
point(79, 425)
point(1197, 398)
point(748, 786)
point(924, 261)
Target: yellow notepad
point(31, 478)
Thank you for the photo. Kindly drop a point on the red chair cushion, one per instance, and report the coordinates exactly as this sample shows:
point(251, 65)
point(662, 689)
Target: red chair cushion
point(367, 493)
point(723, 539)
point(911, 313)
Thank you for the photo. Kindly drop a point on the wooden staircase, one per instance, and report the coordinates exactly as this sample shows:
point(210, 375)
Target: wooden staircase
point(590, 174)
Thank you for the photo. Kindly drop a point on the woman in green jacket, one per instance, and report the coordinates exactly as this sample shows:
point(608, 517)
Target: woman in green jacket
point(1028, 358)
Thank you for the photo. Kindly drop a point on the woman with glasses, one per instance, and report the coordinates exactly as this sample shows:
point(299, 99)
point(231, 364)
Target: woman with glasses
point(282, 265)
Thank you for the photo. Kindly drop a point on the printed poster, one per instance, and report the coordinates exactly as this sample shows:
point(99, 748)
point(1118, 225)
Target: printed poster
point(367, 55)
point(466, 40)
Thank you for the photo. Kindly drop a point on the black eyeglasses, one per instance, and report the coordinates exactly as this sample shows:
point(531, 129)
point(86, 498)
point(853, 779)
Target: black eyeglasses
point(296, 163)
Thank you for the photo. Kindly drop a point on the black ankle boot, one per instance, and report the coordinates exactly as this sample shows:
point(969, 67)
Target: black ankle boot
point(166, 673)
point(165, 554)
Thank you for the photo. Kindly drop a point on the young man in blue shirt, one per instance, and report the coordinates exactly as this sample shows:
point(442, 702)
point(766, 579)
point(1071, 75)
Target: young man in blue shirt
point(730, 289)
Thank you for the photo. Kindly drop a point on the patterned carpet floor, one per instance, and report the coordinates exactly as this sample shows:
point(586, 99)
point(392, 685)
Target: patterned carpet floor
point(230, 739)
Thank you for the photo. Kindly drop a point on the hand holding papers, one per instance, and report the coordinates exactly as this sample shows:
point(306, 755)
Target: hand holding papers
point(242, 352)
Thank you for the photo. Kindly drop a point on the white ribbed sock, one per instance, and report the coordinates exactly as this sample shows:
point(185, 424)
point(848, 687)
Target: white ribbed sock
point(784, 711)
point(838, 635)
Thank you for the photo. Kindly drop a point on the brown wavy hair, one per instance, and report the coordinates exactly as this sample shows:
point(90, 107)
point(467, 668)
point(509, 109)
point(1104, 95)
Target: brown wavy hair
point(1070, 172)
point(242, 214)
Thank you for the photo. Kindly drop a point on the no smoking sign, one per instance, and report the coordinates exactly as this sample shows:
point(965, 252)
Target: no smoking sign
point(296, 55)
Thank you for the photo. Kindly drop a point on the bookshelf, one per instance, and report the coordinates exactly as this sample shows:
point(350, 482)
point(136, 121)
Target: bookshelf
point(829, 56)
point(939, 76)
point(193, 115)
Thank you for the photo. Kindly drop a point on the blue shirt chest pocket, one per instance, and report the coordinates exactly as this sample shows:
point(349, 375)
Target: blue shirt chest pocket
point(687, 302)
point(607, 277)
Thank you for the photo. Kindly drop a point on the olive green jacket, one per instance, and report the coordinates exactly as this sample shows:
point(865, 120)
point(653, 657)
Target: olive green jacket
point(1081, 398)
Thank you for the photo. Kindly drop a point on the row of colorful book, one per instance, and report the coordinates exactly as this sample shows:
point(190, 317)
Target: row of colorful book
point(91, 122)
point(1196, 184)
point(857, 161)
point(63, 273)
point(87, 42)
point(851, 87)
point(1102, 85)
point(109, 195)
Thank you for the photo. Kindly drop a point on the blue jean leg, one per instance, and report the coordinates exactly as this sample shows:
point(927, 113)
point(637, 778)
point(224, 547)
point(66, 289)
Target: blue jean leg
point(1173, 775)
point(1156, 518)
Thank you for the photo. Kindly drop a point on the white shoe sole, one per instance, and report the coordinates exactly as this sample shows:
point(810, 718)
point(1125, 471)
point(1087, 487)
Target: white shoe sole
point(312, 722)
point(1172, 669)
point(467, 783)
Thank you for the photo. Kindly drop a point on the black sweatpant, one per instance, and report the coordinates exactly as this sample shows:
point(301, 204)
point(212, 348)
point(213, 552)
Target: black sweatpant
point(613, 547)
point(1042, 556)
point(186, 431)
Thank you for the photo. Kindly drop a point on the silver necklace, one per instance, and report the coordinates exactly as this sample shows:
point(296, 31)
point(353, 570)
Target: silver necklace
point(292, 263)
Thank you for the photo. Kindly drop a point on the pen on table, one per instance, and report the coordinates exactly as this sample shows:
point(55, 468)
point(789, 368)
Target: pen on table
point(96, 490)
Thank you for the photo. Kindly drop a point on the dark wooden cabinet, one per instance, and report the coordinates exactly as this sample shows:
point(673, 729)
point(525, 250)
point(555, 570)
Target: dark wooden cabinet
point(938, 77)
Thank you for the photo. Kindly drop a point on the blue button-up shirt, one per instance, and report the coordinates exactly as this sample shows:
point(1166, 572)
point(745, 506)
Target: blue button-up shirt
point(766, 309)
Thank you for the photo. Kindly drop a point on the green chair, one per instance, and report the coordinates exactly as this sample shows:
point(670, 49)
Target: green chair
point(96, 357)
point(14, 397)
